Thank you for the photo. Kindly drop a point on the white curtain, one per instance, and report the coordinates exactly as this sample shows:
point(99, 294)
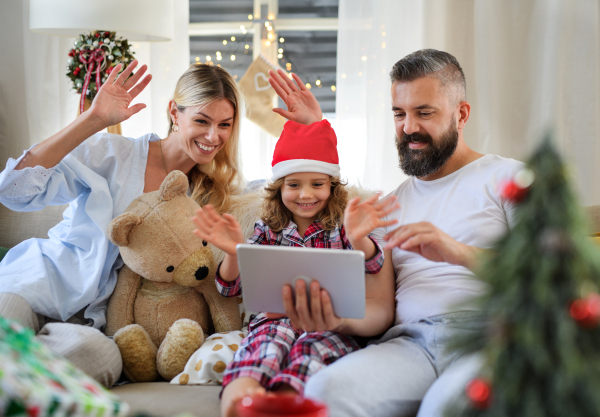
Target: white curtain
point(530, 65)
point(36, 96)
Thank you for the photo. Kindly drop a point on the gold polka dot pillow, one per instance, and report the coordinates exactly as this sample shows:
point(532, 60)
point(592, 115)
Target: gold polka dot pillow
point(206, 365)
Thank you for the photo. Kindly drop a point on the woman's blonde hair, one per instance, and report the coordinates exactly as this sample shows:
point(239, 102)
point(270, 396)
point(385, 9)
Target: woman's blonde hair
point(277, 216)
point(215, 182)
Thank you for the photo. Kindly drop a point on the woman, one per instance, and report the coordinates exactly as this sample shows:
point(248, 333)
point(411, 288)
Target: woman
point(99, 174)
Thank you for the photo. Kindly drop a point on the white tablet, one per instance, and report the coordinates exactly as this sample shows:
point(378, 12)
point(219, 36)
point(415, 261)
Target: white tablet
point(264, 270)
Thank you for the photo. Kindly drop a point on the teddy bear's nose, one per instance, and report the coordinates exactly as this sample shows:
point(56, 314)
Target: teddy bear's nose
point(201, 273)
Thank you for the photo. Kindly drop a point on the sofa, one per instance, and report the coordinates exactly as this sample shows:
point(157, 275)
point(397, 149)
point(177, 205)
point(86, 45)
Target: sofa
point(155, 398)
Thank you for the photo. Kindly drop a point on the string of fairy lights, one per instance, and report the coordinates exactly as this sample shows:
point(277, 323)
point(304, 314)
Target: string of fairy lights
point(237, 45)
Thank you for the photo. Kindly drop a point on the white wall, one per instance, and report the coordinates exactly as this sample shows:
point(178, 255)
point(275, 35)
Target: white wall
point(13, 115)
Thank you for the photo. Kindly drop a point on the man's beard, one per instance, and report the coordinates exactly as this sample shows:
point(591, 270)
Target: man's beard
point(426, 161)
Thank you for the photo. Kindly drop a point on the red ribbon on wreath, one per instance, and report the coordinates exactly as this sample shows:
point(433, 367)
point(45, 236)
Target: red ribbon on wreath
point(94, 58)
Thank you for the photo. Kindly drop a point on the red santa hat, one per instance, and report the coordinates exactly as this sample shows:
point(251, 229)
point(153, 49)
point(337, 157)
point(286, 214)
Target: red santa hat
point(303, 148)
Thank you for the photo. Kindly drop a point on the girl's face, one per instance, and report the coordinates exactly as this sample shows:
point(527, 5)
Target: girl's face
point(305, 194)
point(203, 131)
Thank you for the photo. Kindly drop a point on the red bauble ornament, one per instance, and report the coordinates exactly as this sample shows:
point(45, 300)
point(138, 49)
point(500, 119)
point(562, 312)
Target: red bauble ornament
point(97, 35)
point(33, 411)
point(106, 33)
point(586, 311)
point(509, 190)
point(479, 392)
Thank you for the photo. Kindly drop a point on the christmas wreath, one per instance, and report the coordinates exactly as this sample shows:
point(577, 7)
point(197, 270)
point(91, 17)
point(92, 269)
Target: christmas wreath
point(92, 59)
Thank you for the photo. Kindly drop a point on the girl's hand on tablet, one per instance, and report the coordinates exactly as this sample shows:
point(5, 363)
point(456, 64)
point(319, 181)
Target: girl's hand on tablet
point(318, 317)
point(222, 231)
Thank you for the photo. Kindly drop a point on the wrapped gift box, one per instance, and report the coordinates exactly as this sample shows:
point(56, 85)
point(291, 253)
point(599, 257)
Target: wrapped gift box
point(36, 382)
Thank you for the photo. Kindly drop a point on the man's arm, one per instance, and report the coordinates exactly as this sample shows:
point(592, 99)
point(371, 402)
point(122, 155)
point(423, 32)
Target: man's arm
point(381, 303)
point(433, 244)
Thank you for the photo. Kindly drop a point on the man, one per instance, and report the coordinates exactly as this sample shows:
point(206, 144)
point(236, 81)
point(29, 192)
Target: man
point(450, 212)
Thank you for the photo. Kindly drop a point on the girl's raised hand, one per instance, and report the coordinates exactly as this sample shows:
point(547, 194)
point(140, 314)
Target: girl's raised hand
point(302, 105)
point(222, 231)
point(111, 105)
point(360, 219)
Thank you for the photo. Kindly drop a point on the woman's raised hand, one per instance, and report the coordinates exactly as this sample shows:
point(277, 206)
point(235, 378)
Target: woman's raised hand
point(222, 231)
point(302, 105)
point(111, 105)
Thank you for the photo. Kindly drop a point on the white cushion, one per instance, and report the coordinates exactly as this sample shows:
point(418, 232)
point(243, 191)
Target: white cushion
point(206, 365)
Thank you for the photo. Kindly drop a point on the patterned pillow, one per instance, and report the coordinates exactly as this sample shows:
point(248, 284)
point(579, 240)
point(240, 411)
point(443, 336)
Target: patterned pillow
point(206, 365)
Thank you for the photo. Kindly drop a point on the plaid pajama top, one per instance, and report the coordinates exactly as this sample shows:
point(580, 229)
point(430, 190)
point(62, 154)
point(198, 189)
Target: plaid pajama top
point(315, 237)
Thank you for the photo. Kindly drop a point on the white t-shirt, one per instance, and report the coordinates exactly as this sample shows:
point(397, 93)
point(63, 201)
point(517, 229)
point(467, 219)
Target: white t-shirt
point(464, 205)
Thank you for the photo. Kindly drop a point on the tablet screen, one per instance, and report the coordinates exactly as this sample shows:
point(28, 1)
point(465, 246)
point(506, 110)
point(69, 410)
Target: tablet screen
point(264, 270)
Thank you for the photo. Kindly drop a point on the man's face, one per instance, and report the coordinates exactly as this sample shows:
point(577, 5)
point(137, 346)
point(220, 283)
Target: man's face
point(426, 126)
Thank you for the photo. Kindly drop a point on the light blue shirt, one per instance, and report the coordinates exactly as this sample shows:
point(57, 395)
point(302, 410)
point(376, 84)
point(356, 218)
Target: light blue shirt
point(77, 265)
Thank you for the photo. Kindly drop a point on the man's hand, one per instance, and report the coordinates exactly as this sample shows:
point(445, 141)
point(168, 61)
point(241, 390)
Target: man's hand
point(222, 231)
point(302, 105)
point(431, 243)
point(319, 317)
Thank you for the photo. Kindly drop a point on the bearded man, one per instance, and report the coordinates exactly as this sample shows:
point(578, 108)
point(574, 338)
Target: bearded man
point(450, 212)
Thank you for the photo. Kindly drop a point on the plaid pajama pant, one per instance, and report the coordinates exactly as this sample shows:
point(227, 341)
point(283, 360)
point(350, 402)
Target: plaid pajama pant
point(276, 353)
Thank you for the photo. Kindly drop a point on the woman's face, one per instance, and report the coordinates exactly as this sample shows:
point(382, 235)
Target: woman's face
point(204, 131)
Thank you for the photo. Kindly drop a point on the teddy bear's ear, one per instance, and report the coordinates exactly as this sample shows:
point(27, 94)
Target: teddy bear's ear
point(119, 228)
point(175, 184)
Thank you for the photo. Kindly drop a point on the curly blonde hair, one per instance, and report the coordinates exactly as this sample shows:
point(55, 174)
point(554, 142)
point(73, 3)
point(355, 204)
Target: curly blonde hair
point(215, 182)
point(277, 216)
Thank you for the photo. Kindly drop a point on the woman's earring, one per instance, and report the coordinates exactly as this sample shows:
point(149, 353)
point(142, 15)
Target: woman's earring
point(175, 127)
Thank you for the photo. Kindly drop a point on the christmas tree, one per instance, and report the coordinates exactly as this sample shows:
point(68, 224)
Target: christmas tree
point(541, 343)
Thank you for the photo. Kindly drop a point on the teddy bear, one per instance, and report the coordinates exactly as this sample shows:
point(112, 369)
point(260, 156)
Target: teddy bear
point(165, 301)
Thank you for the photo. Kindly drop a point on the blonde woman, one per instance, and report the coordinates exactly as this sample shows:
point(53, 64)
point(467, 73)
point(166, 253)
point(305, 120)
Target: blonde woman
point(99, 174)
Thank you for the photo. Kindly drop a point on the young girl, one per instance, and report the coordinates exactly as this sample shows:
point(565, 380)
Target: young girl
point(304, 206)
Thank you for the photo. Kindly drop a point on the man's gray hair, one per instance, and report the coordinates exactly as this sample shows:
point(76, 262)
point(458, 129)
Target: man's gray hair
point(435, 64)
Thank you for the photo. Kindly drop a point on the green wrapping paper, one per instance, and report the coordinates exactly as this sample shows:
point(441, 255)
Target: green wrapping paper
point(36, 382)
